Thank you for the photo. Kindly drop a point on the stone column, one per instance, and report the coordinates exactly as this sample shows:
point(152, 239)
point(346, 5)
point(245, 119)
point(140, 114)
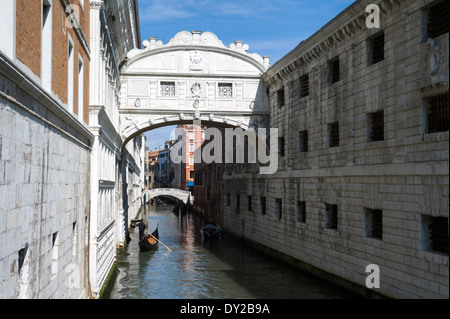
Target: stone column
point(95, 107)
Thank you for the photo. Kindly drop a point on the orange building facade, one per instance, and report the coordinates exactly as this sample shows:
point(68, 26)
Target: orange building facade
point(193, 137)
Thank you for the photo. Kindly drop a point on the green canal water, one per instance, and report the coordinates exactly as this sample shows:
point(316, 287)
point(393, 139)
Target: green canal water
point(198, 269)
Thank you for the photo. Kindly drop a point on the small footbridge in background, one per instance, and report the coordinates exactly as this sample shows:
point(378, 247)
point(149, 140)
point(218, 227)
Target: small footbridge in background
point(184, 196)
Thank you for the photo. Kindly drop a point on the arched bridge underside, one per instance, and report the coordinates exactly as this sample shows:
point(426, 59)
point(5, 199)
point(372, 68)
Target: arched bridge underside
point(184, 196)
point(192, 78)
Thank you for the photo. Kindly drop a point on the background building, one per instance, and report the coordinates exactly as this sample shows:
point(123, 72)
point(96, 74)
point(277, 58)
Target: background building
point(192, 138)
point(208, 179)
point(152, 169)
point(164, 162)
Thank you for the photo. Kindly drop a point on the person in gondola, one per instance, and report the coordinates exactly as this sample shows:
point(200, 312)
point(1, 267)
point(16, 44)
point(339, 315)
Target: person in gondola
point(142, 227)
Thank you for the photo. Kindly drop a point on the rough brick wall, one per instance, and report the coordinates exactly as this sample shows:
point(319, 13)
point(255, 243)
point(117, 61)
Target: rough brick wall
point(28, 50)
point(28, 34)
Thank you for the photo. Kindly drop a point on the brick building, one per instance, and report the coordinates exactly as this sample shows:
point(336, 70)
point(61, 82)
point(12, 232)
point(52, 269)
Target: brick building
point(193, 136)
point(362, 115)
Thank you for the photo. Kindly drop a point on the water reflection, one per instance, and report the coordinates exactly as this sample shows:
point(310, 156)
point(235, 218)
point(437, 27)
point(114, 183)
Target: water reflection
point(197, 269)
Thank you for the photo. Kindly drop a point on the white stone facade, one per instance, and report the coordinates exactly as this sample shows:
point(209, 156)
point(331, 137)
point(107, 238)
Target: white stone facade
point(115, 169)
point(193, 77)
point(67, 190)
point(404, 175)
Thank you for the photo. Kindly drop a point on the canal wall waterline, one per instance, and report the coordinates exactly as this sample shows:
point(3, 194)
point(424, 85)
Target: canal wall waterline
point(299, 264)
point(358, 290)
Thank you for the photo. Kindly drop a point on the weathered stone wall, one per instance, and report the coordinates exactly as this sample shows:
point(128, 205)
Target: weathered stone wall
point(405, 175)
point(44, 189)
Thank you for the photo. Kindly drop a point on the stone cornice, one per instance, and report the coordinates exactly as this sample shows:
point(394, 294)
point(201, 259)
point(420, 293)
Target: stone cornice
point(343, 27)
point(45, 99)
point(101, 123)
point(96, 4)
point(196, 40)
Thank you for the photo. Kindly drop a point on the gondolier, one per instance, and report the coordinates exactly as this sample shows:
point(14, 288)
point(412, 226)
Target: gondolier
point(142, 228)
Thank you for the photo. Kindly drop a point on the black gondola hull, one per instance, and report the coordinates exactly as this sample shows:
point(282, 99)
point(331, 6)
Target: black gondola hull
point(148, 242)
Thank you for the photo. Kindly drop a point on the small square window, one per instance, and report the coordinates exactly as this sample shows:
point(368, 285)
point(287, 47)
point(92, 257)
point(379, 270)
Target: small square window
point(376, 126)
point(333, 134)
point(376, 49)
point(434, 233)
point(437, 113)
point(167, 88)
point(373, 223)
point(300, 212)
point(331, 217)
point(281, 97)
point(438, 19)
point(225, 90)
point(304, 85)
point(303, 141)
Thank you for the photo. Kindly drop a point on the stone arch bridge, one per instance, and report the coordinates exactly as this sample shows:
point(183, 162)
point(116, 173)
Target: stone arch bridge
point(193, 77)
point(184, 196)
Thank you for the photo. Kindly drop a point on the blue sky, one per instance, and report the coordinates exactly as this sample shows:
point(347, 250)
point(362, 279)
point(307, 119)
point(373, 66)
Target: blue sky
point(269, 27)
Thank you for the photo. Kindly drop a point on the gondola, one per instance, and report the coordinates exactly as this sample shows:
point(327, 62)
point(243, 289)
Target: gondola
point(210, 231)
point(148, 242)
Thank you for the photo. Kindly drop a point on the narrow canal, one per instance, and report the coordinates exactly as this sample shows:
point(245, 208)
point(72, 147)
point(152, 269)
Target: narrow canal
point(198, 269)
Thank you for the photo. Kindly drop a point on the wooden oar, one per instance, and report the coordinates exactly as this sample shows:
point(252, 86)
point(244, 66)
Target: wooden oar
point(159, 241)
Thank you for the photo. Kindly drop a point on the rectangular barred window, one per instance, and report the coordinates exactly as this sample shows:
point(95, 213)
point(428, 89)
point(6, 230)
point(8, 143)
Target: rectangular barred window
point(167, 88)
point(249, 203)
point(331, 218)
point(439, 234)
point(263, 205)
point(334, 70)
point(376, 126)
point(376, 49)
point(373, 223)
point(333, 134)
point(304, 85)
point(278, 208)
point(225, 90)
point(303, 141)
point(434, 233)
point(438, 19)
point(280, 97)
point(437, 113)
point(300, 212)
point(281, 145)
